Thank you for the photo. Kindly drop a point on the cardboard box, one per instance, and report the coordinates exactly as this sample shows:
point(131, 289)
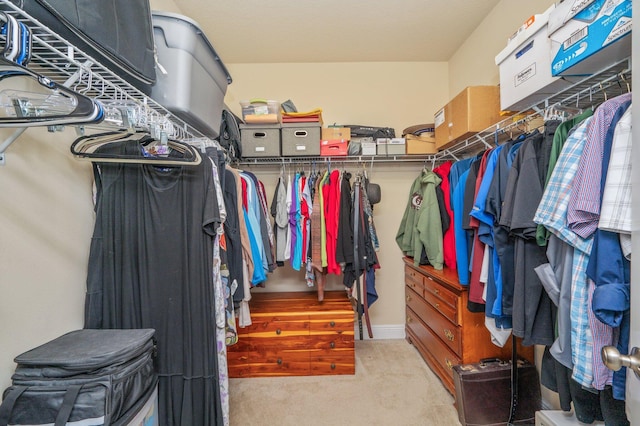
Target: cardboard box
point(525, 66)
point(589, 35)
point(393, 146)
point(336, 133)
point(420, 144)
point(333, 148)
point(471, 111)
point(260, 140)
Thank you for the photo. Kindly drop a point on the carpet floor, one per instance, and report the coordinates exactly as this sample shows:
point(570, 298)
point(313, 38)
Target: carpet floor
point(392, 386)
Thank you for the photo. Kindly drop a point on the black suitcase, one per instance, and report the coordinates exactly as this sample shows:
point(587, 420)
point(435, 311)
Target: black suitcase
point(483, 393)
point(92, 377)
point(117, 33)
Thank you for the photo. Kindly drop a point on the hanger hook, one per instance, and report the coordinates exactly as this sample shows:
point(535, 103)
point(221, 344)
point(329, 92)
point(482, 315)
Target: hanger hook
point(603, 91)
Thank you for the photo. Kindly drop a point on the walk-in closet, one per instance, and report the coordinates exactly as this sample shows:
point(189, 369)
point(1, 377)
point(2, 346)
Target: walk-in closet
point(311, 213)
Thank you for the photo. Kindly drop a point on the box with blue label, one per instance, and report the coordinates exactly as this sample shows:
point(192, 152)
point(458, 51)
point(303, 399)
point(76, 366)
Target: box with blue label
point(525, 65)
point(589, 35)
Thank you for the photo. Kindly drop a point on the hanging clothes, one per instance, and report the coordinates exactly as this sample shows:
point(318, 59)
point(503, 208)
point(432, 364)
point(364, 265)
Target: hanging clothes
point(421, 227)
point(150, 267)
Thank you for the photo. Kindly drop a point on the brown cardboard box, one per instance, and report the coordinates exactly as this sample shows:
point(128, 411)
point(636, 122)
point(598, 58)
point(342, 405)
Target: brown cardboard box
point(420, 144)
point(336, 133)
point(472, 110)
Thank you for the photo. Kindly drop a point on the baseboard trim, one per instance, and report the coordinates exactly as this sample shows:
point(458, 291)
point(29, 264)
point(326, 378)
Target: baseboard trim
point(380, 332)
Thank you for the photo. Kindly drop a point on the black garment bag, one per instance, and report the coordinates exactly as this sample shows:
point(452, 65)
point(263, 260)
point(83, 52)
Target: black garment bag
point(89, 376)
point(117, 33)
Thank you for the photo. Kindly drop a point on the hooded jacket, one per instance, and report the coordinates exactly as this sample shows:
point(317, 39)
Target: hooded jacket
point(421, 226)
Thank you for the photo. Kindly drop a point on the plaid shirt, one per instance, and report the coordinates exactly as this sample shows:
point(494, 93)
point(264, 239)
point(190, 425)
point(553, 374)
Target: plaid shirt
point(615, 214)
point(552, 213)
point(584, 206)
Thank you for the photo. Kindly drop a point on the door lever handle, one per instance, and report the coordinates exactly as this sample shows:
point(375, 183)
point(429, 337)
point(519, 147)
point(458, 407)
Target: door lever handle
point(614, 360)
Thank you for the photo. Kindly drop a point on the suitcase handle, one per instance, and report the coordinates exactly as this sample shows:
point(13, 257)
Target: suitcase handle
point(485, 361)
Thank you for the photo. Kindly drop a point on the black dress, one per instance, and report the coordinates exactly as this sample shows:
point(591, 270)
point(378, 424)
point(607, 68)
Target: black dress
point(150, 266)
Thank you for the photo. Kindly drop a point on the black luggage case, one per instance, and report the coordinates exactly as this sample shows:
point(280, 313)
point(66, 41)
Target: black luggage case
point(117, 33)
point(93, 377)
point(483, 393)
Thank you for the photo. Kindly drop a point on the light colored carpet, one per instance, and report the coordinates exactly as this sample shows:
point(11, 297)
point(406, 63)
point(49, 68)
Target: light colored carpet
point(392, 386)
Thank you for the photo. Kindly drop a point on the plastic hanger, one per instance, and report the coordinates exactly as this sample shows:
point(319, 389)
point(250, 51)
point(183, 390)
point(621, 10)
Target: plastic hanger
point(89, 148)
point(42, 102)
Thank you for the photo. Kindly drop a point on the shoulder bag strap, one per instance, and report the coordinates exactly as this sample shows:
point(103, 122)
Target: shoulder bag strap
point(6, 408)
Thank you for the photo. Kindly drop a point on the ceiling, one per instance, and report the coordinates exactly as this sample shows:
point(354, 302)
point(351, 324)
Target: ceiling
point(283, 31)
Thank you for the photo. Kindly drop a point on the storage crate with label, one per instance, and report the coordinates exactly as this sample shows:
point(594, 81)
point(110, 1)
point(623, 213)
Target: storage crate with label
point(260, 111)
point(391, 146)
point(471, 111)
point(525, 65)
point(260, 140)
point(195, 81)
point(589, 35)
point(301, 139)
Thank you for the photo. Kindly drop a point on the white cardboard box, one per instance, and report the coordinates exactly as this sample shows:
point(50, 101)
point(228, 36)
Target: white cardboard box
point(525, 66)
point(589, 35)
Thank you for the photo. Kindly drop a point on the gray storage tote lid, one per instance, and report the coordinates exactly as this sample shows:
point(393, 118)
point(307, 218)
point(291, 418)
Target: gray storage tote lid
point(172, 23)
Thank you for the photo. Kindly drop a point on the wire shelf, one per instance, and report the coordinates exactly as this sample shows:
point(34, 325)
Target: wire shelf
point(63, 63)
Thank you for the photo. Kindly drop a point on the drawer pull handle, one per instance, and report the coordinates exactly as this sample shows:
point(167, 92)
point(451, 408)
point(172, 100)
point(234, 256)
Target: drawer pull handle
point(437, 306)
point(408, 298)
point(449, 334)
point(333, 366)
point(278, 332)
point(408, 319)
point(449, 364)
point(279, 361)
point(332, 323)
point(436, 291)
point(332, 345)
point(429, 278)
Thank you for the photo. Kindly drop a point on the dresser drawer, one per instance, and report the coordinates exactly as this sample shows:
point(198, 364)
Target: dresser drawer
point(438, 351)
point(323, 324)
point(442, 327)
point(431, 286)
point(330, 343)
point(278, 363)
point(343, 363)
point(444, 308)
point(413, 279)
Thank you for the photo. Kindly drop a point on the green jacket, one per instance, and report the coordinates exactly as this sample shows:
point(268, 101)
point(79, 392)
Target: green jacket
point(421, 225)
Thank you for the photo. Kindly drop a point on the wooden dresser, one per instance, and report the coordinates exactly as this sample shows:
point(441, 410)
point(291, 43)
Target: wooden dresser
point(441, 327)
point(295, 335)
